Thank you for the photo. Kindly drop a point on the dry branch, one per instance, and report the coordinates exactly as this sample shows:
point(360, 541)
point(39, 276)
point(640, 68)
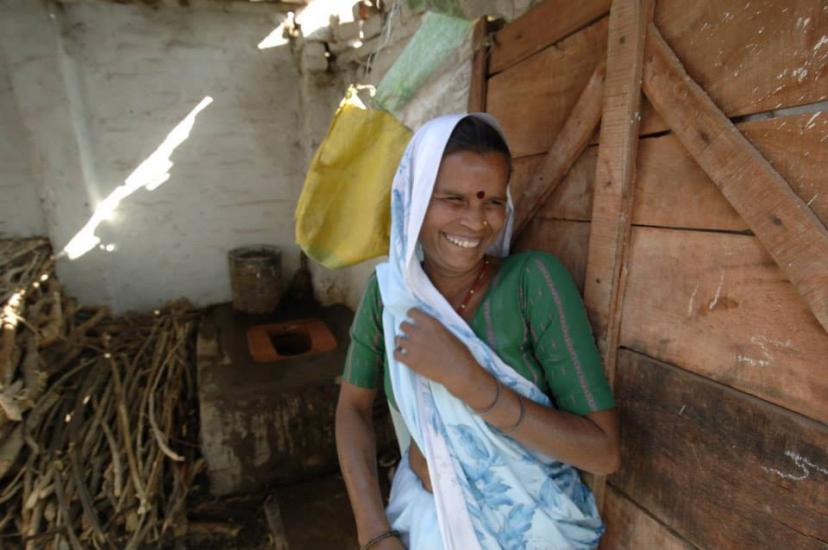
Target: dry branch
point(94, 452)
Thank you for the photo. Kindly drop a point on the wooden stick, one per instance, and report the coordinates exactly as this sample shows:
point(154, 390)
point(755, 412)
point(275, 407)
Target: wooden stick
point(160, 438)
point(790, 232)
point(568, 146)
point(12, 487)
point(34, 377)
point(51, 330)
point(126, 434)
point(213, 528)
point(614, 182)
point(26, 247)
point(273, 515)
point(117, 465)
point(65, 514)
point(480, 66)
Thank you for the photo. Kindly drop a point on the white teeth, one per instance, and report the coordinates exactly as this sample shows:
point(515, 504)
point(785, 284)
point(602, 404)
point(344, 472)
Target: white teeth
point(461, 242)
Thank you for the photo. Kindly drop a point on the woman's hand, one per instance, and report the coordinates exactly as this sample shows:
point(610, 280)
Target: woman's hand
point(430, 349)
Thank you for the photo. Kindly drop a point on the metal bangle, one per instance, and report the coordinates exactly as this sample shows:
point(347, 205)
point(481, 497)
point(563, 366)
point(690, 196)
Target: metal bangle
point(379, 538)
point(514, 426)
point(491, 406)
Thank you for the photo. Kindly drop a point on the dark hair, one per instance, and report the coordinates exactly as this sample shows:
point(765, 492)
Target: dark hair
point(477, 136)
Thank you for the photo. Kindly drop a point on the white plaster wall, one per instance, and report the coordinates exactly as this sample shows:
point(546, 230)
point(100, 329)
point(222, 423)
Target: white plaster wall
point(97, 87)
point(119, 79)
point(20, 211)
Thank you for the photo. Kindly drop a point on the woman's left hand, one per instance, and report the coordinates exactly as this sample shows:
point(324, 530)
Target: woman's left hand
point(430, 349)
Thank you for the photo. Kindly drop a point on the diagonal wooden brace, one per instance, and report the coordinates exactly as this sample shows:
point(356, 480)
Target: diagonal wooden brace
point(790, 232)
point(568, 146)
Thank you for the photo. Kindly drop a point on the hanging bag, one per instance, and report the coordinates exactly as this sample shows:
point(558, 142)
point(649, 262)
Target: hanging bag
point(343, 215)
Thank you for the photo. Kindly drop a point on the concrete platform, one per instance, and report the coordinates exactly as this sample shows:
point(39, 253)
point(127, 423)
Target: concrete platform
point(269, 423)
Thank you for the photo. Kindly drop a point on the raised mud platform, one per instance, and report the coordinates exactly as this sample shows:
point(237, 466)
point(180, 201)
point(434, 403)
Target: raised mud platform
point(270, 423)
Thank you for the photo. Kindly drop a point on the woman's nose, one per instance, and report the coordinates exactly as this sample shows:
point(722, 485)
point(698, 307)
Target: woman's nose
point(474, 218)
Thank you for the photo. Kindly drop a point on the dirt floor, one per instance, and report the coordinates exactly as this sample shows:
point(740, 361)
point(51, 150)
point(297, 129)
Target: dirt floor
point(316, 515)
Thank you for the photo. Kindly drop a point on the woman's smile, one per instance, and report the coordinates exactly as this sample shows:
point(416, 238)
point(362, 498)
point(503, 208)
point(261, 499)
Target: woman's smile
point(462, 242)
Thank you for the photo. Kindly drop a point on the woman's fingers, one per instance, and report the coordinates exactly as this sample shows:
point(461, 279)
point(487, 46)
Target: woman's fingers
point(415, 313)
point(399, 345)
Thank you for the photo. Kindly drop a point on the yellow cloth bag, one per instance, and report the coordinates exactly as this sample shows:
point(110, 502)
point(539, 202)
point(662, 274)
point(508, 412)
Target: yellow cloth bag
point(343, 215)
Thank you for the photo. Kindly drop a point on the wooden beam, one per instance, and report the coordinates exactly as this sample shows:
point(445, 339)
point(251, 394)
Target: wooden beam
point(717, 305)
point(666, 175)
point(480, 66)
point(614, 178)
point(615, 172)
point(720, 468)
point(572, 199)
point(533, 99)
point(750, 57)
point(568, 146)
point(542, 26)
point(792, 234)
point(629, 527)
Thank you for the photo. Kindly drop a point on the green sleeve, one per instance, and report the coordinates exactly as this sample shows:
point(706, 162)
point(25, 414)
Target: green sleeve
point(363, 364)
point(562, 337)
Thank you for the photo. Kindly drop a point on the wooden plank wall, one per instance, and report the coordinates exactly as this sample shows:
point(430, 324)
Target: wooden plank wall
point(722, 376)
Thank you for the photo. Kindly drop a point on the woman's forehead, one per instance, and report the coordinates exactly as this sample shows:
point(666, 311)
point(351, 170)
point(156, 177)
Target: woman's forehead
point(471, 172)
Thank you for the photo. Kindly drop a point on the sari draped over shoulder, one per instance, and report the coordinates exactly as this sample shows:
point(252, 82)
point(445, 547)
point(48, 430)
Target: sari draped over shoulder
point(489, 491)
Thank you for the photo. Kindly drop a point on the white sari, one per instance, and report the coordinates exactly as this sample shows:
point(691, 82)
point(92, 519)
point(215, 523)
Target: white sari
point(489, 490)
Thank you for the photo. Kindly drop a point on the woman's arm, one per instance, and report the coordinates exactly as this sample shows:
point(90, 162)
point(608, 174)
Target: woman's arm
point(356, 447)
point(588, 442)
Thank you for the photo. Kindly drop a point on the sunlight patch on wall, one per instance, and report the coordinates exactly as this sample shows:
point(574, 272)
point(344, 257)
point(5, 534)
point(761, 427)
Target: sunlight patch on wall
point(316, 15)
point(150, 174)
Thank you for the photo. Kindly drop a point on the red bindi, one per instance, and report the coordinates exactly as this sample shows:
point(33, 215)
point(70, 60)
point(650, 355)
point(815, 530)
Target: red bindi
point(481, 194)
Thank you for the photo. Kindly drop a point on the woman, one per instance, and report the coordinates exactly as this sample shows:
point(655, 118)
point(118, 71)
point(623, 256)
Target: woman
point(488, 359)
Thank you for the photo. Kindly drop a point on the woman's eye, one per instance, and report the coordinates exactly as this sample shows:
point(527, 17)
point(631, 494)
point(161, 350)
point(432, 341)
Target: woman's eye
point(496, 204)
point(453, 200)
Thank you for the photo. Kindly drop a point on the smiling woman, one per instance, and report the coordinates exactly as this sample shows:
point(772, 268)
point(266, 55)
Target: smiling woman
point(488, 358)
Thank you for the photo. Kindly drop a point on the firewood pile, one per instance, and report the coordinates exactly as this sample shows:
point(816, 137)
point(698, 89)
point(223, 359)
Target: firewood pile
point(97, 442)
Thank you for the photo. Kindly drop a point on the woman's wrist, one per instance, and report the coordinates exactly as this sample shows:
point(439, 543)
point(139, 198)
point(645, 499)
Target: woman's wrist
point(370, 532)
point(377, 539)
point(475, 387)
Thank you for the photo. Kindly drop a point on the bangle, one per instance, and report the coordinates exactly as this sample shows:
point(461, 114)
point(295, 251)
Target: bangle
point(381, 537)
point(514, 426)
point(491, 406)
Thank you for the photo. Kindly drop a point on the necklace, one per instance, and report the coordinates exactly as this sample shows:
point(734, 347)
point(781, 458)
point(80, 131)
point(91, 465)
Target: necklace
point(475, 286)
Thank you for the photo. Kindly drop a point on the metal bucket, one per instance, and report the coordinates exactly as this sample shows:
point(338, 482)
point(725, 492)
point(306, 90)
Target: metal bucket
point(256, 278)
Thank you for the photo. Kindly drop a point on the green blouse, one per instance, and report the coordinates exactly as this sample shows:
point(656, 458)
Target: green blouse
point(531, 316)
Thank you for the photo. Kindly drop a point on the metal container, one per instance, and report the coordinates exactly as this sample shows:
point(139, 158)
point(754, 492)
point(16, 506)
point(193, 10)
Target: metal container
point(256, 278)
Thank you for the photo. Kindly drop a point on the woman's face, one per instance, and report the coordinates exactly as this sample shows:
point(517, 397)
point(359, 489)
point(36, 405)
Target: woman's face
point(466, 212)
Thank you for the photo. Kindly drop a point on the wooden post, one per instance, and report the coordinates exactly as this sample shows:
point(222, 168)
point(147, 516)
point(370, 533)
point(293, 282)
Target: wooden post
point(792, 234)
point(568, 146)
point(615, 172)
point(480, 67)
point(614, 179)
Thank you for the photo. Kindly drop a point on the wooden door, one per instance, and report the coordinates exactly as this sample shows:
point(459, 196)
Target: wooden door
point(694, 221)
